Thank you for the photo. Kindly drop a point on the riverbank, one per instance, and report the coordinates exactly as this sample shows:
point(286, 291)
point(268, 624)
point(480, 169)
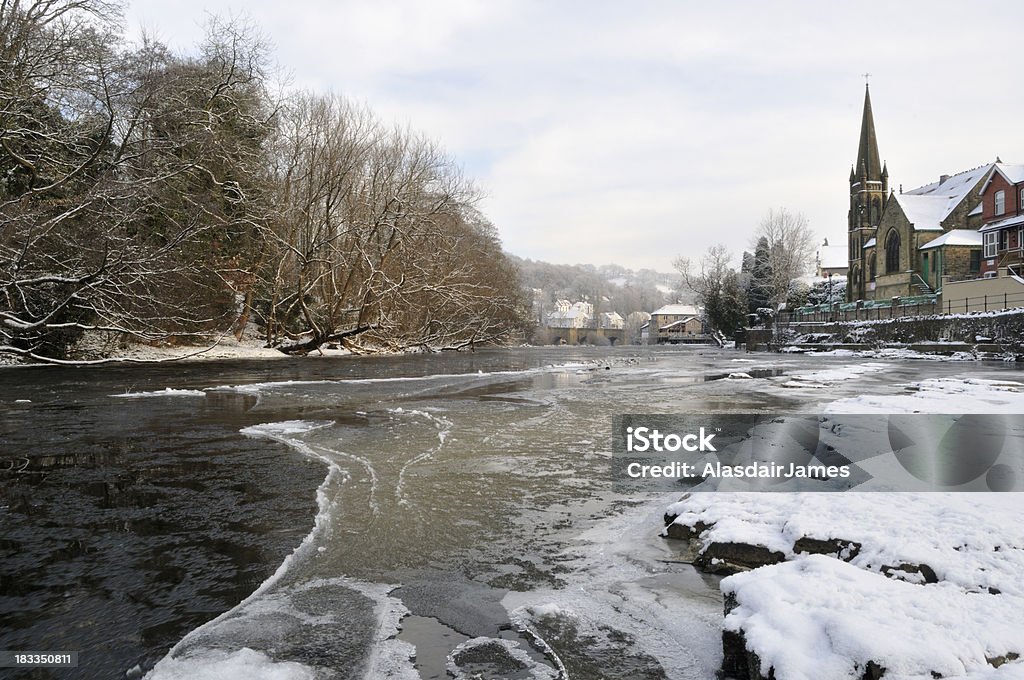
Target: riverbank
point(854, 585)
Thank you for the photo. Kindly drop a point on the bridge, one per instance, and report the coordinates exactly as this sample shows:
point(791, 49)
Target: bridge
point(586, 336)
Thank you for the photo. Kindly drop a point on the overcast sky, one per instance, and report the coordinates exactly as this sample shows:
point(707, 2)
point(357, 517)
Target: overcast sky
point(635, 132)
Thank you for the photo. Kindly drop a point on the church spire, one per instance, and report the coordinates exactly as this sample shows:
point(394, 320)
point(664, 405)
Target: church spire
point(867, 156)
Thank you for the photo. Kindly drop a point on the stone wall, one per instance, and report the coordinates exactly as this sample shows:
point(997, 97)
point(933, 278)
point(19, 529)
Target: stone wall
point(1004, 328)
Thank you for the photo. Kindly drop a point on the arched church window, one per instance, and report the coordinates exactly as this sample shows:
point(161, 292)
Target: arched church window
point(892, 252)
point(872, 267)
point(876, 212)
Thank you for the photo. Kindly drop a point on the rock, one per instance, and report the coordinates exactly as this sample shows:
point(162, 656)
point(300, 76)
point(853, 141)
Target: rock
point(738, 662)
point(904, 572)
point(731, 558)
point(873, 671)
point(685, 532)
point(835, 547)
point(998, 661)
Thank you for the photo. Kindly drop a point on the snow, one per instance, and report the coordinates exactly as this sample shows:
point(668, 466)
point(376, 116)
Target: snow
point(673, 310)
point(925, 213)
point(845, 617)
point(832, 257)
point(941, 395)
point(831, 376)
point(955, 187)
point(971, 540)
point(955, 237)
point(243, 664)
point(1012, 221)
point(165, 392)
point(816, 616)
point(885, 353)
point(1014, 173)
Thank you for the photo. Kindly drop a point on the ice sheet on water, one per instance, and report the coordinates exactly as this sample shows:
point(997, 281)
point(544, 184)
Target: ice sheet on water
point(242, 664)
point(496, 657)
point(626, 613)
point(941, 395)
point(284, 428)
point(166, 392)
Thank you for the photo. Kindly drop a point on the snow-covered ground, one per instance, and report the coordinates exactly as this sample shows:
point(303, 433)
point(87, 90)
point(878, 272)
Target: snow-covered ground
point(923, 585)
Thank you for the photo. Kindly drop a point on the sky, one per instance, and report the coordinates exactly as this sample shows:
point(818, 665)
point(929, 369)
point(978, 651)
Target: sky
point(637, 132)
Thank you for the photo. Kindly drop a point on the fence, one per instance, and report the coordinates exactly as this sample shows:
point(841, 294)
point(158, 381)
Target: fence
point(864, 310)
point(983, 303)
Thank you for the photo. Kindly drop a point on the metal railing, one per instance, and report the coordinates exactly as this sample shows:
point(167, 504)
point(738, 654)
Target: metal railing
point(983, 303)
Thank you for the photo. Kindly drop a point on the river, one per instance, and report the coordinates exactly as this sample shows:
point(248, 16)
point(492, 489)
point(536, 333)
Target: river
point(381, 517)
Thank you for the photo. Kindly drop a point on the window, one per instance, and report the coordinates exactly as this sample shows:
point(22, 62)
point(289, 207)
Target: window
point(1004, 239)
point(1020, 239)
point(990, 243)
point(1000, 202)
point(975, 261)
point(1020, 203)
point(892, 252)
point(871, 267)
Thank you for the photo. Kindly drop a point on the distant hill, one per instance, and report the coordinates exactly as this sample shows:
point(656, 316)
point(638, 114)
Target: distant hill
point(608, 287)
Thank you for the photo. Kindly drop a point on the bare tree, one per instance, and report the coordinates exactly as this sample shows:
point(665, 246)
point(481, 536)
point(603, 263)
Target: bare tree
point(717, 285)
point(379, 240)
point(132, 189)
point(790, 247)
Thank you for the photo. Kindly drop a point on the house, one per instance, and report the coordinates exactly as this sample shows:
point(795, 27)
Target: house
point(611, 320)
point(903, 244)
point(1002, 215)
point(831, 261)
point(571, 315)
point(676, 323)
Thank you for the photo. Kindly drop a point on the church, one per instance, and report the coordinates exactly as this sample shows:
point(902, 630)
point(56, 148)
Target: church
point(907, 243)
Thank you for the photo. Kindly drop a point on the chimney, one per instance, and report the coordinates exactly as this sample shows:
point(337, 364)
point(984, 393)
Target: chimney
point(943, 178)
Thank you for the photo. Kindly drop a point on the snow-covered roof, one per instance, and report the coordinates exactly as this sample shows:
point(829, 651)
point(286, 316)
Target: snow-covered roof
point(955, 237)
point(871, 242)
point(957, 185)
point(926, 212)
point(1014, 174)
point(927, 206)
point(683, 310)
point(681, 322)
point(832, 257)
point(1015, 221)
point(976, 211)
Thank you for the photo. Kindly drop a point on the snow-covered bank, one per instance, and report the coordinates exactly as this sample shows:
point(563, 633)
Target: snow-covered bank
point(870, 585)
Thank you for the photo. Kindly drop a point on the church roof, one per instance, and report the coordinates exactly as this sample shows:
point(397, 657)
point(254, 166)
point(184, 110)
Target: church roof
point(955, 237)
point(927, 206)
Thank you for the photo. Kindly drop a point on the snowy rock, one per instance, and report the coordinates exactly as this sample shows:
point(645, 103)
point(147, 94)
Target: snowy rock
point(855, 624)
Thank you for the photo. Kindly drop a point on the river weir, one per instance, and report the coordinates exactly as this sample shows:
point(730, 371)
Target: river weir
point(420, 516)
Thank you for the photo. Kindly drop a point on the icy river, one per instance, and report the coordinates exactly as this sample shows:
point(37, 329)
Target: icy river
point(421, 516)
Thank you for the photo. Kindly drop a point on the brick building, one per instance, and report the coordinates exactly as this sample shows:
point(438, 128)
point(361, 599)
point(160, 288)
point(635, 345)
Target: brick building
point(1002, 211)
point(905, 243)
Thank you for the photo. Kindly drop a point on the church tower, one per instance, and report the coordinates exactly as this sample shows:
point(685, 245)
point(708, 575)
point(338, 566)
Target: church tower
point(869, 188)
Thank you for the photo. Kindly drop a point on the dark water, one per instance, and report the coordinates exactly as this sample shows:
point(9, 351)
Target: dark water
point(468, 493)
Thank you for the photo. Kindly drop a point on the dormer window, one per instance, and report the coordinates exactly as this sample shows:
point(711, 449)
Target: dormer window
point(1000, 202)
point(1020, 203)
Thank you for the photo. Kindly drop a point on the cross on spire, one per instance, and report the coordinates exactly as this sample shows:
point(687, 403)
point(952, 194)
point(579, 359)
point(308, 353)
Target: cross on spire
point(866, 76)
